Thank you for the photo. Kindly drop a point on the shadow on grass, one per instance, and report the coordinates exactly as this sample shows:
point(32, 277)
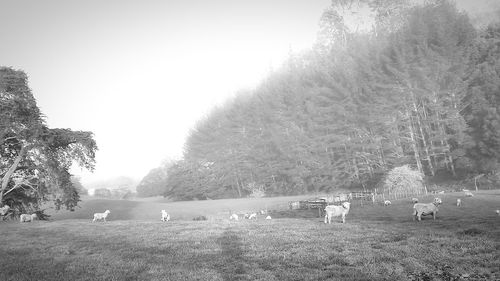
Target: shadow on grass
point(234, 263)
point(110, 253)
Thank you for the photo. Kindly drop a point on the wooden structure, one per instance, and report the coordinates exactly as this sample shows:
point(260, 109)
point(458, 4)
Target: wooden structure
point(363, 196)
point(319, 203)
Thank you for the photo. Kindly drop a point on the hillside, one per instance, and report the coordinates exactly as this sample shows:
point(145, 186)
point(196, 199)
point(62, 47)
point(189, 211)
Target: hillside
point(419, 90)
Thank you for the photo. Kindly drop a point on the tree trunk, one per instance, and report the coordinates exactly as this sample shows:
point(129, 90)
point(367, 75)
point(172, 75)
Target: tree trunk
point(414, 143)
point(238, 186)
point(396, 138)
point(442, 132)
point(422, 135)
point(12, 169)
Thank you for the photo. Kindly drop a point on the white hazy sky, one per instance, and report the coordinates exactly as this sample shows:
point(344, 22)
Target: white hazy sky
point(139, 74)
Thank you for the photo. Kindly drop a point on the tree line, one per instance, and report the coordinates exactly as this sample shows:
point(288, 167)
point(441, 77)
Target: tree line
point(421, 89)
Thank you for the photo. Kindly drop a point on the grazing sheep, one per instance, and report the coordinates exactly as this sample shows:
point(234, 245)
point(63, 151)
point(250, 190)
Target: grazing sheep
point(438, 201)
point(414, 200)
point(498, 212)
point(263, 212)
point(337, 211)
point(387, 203)
point(165, 216)
point(4, 210)
point(468, 194)
point(233, 217)
point(27, 218)
point(424, 209)
point(269, 217)
point(294, 205)
point(101, 216)
point(252, 216)
point(459, 202)
point(440, 192)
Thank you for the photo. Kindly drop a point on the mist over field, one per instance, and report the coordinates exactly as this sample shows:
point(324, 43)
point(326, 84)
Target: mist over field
point(375, 243)
point(261, 140)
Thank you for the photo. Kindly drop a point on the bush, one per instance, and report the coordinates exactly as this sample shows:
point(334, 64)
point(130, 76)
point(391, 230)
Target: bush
point(256, 191)
point(404, 179)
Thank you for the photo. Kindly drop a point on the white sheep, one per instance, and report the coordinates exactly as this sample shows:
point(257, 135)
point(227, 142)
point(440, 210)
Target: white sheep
point(459, 202)
point(165, 216)
point(101, 216)
point(27, 218)
point(387, 203)
point(252, 216)
point(414, 200)
point(263, 212)
point(498, 212)
point(468, 194)
point(438, 201)
point(424, 209)
point(269, 217)
point(233, 217)
point(4, 210)
point(441, 192)
point(337, 211)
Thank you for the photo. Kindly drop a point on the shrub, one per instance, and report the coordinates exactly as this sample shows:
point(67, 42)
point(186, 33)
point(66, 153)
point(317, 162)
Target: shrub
point(404, 179)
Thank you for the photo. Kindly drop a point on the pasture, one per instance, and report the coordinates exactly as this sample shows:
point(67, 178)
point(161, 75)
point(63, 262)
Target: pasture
point(376, 243)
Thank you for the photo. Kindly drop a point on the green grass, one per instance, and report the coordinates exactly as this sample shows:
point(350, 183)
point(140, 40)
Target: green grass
point(376, 243)
point(186, 210)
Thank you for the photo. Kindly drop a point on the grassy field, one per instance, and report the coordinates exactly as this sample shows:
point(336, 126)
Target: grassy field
point(376, 243)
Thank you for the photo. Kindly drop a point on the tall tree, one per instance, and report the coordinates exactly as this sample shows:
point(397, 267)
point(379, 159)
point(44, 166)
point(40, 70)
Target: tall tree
point(154, 183)
point(482, 101)
point(35, 160)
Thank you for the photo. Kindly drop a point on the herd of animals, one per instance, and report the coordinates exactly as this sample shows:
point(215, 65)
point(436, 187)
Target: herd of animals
point(424, 209)
point(331, 211)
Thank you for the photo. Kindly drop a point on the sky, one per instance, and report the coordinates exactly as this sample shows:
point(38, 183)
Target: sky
point(139, 74)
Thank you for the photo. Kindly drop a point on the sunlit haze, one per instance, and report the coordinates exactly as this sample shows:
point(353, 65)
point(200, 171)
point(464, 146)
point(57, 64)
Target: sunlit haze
point(139, 74)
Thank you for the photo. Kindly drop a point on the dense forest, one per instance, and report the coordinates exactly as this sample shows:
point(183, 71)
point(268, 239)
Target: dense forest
point(420, 89)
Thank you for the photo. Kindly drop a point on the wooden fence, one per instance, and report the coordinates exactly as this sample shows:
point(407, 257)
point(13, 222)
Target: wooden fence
point(359, 198)
point(395, 195)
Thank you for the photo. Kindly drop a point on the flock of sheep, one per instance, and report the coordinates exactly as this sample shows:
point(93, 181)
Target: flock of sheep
point(331, 211)
point(419, 209)
point(424, 209)
point(251, 216)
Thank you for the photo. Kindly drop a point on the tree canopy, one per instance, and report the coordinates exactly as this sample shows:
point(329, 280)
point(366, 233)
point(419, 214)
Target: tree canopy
point(419, 90)
point(35, 160)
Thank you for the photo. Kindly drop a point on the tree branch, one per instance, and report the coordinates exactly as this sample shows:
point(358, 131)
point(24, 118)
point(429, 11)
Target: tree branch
point(6, 177)
point(20, 184)
point(15, 186)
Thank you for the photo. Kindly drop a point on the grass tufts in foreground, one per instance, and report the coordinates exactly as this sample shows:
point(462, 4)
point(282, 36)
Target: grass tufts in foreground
point(376, 243)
